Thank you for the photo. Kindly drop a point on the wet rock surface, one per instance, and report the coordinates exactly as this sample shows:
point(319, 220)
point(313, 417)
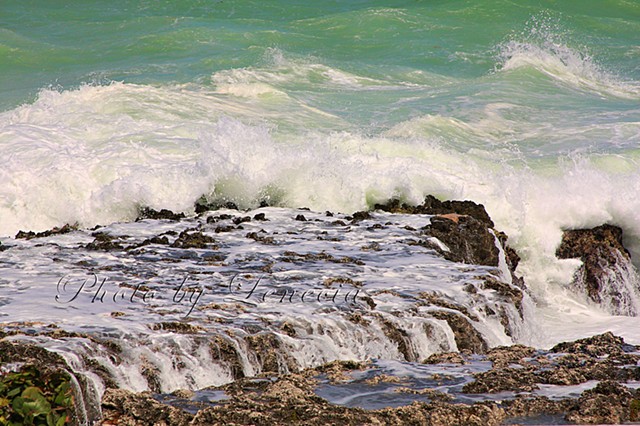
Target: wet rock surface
point(606, 267)
point(516, 372)
point(242, 328)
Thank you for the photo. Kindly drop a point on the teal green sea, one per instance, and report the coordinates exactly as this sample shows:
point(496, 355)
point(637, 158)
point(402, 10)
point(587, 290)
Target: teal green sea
point(64, 44)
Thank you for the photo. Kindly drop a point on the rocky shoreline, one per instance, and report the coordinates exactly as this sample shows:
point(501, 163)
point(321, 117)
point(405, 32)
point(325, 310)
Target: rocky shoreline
point(588, 381)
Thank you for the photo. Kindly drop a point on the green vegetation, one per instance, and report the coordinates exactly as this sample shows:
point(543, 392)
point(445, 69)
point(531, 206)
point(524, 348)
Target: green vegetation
point(31, 397)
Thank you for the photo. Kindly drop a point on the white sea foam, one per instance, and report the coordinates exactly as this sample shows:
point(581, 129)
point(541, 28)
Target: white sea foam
point(94, 155)
point(545, 51)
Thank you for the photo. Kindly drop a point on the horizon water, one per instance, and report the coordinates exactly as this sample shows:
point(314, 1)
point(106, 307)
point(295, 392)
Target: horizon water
point(531, 109)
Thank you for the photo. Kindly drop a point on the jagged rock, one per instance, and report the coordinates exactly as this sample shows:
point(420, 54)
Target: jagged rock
point(468, 339)
point(54, 231)
point(599, 345)
point(433, 206)
point(607, 403)
point(202, 205)
point(399, 337)
point(445, 358)
point(122, 407)
point(197, 239)
point(104, 242)
point(503, 379)
point(523, 407)
point(149, 213)
point(510, 293)
point(360, 216)
point(468, 240)
point(606, 275)
point(503, 356)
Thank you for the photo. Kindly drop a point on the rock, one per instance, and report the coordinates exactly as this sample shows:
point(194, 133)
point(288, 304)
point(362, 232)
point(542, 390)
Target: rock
point(503, 379)
point(189, 239)
point(600, 345)
point(606, 275)
point(607, 403)
point(503, 356)
point(510, 293)
point(122, 407)
point(445, 358)
point(54, 231)
point(525, 407)
point(260, 216)
point(433, 206)
point(468, 339)
point(360, 216)
point(149, 213)
point(202, 205)
point(469, 240)
point(104, 242)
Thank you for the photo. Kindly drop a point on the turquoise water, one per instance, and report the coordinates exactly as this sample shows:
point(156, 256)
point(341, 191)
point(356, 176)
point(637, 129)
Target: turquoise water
point(529, 107)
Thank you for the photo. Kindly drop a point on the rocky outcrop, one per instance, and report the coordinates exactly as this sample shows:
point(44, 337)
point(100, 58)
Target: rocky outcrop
point(279, 399)
point(608, 403)
point(433, 206)
point(464, 227)
point(606, 276)
point(468, 339)
point(468, 239)
point(289, 400)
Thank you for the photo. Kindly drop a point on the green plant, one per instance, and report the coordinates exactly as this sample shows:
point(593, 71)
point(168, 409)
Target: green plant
point(32, 397)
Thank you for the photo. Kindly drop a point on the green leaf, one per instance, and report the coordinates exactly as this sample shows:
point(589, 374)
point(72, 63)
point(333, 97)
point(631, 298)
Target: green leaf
point(61, 421)
point(13, 392)
point(17, 404)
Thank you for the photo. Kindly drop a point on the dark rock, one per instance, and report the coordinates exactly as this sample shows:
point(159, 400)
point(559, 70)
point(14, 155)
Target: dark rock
point(260, 216)
point(202, 205)
point(261, 238)
point(468, 339)
point(360, 216)
point(433, 206)
point(600, 345)
point(162, 240)
point(503, 356)
point(164, 214)
point(445, 358)
point(607, 271)
point(399, 337)
point(104, 242)
point(503, 379)
point(188, 239)
point(510, 293)
point(227, 228)
point(126, 408)
point(469, 240)
point(239, 220)
point(301, 218)
point(54, 231)
point(608, 403)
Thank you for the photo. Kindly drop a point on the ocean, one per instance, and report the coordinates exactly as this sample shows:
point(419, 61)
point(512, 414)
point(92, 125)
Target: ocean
point(531, 108)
